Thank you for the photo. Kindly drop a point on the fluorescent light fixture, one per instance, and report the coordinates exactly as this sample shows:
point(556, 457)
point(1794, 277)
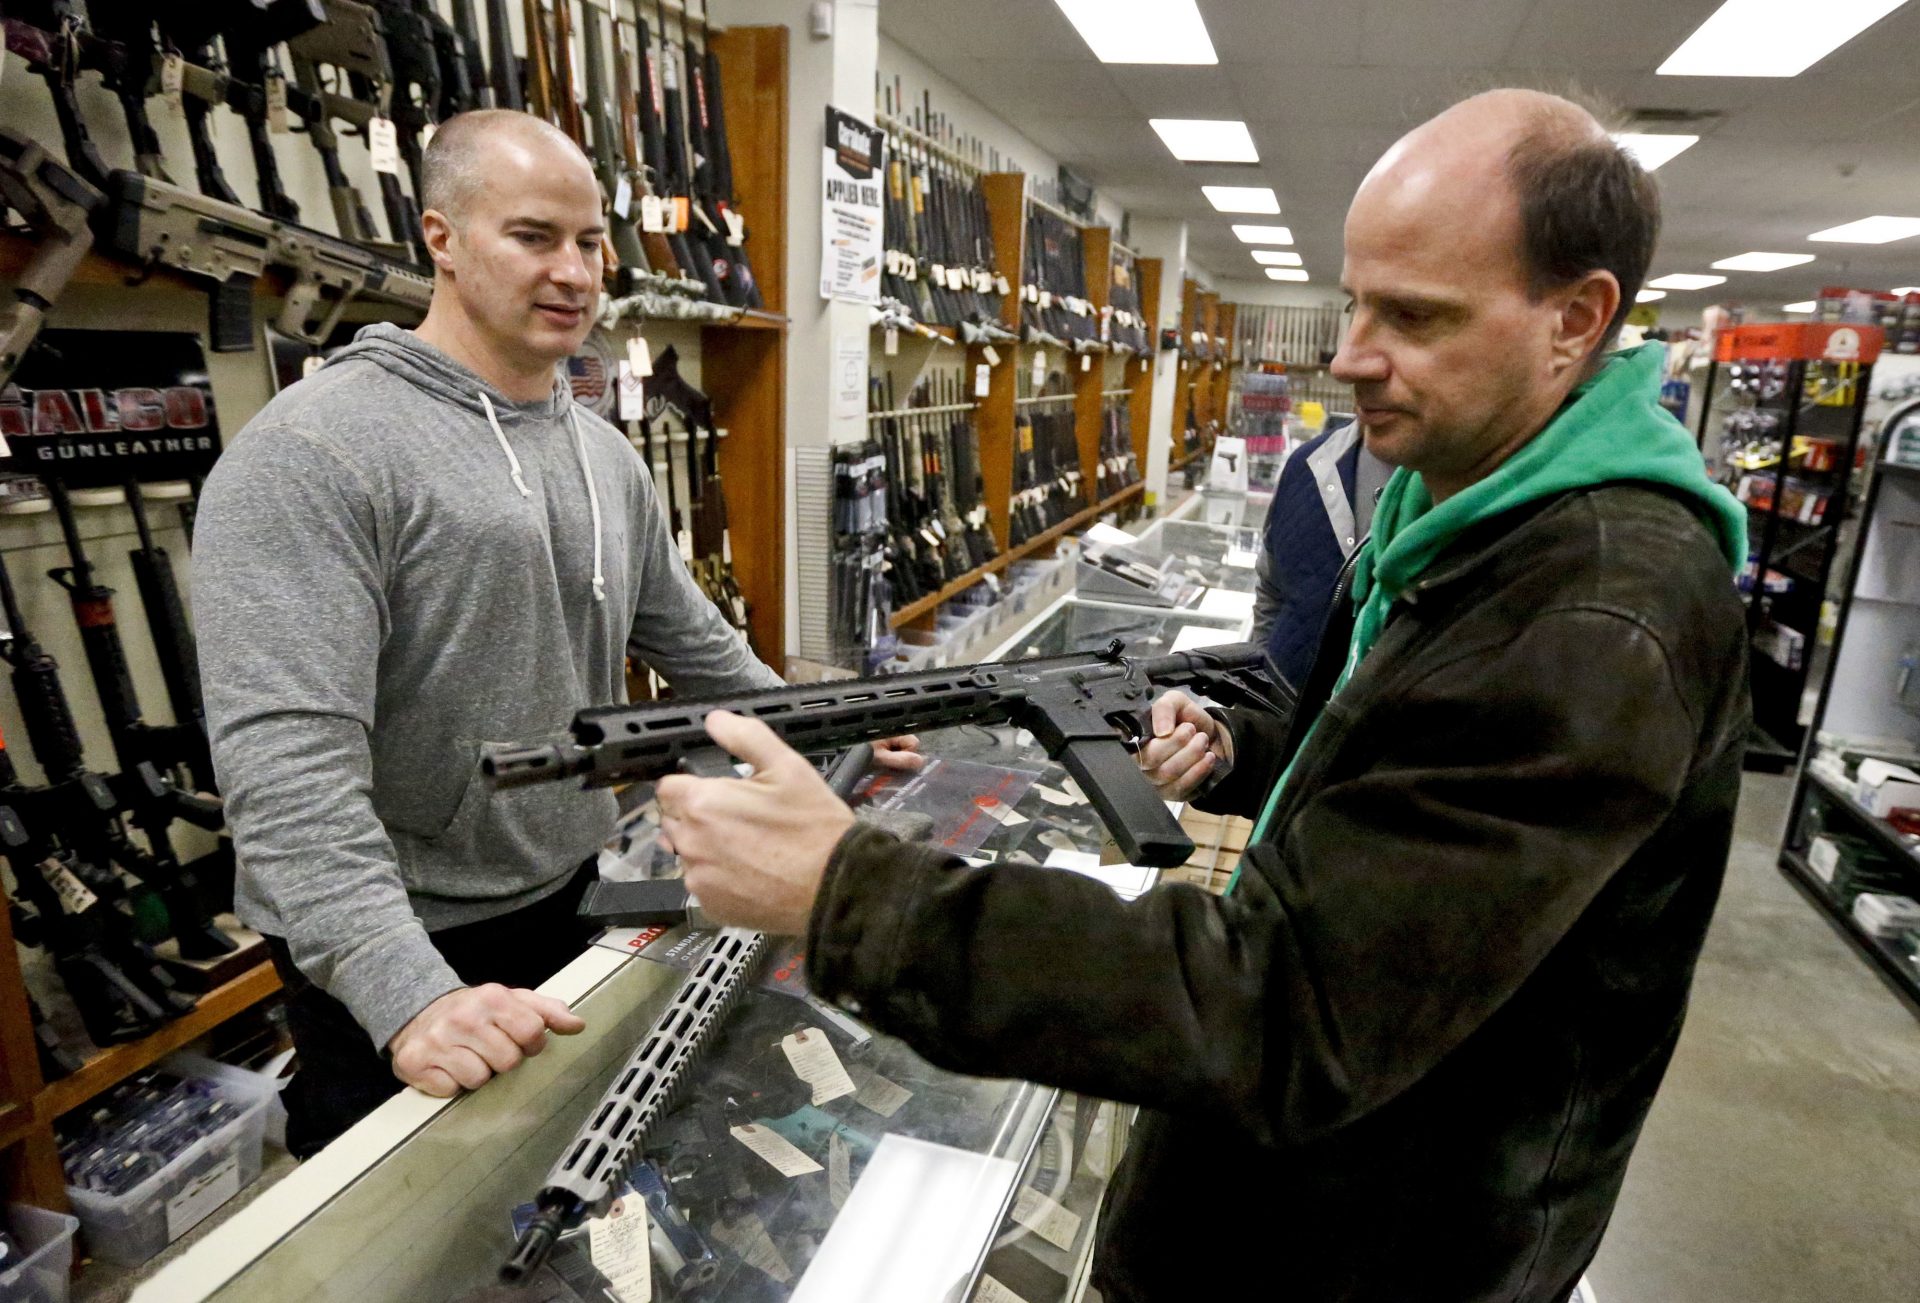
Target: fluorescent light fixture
point(1771, 38)
point(1286, 274)
point(1762, 261)
point(1264, 234)
point(1870, 230)
point(1650, 150)
point(1242, 198)
point(1277, 258)
point(1141, 31)
point(1805, 305)
point(1685, 280)
point(1206, 140)
point(1905, 289)
point(1649, 296)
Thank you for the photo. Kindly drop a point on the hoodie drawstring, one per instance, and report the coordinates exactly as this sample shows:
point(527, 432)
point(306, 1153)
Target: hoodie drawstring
point(593, 503)
point(513, 462)
point(586, 469)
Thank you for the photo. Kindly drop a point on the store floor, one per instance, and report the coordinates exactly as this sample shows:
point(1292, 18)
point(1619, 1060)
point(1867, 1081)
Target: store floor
point(1781, 1161)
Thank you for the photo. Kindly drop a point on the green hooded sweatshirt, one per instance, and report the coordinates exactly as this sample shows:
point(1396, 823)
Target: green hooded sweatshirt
point(1611, 430)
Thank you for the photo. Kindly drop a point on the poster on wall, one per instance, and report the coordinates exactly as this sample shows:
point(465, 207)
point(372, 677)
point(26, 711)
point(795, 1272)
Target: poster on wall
point(852, 211)
point(97, 408)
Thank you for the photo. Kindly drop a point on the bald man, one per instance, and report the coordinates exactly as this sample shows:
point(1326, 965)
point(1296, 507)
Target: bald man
point(1407, 1055)
point(425, 546)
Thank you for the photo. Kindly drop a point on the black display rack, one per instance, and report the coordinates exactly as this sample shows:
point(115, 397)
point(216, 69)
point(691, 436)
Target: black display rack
point(1780, 427)
point(1868, 706)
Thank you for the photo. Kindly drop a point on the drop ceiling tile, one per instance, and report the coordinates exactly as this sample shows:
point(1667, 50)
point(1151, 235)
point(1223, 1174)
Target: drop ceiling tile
point(1438, 33)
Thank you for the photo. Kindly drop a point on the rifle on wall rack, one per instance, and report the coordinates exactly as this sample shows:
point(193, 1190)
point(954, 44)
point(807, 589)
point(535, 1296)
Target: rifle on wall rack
point(56, 205)
point(712, 176)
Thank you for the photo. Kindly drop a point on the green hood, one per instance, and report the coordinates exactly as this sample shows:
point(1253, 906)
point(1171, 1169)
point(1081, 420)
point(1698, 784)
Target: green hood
point(1611, 430)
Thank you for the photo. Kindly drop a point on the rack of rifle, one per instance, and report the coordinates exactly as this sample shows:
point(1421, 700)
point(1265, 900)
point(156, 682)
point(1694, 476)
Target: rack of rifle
point(1125, 320)
point(385, 72)
point(1054, 307)
point(1048, 486)
point(1117, 467)
point(939, 268)
point(97, 877)
point(909, 510)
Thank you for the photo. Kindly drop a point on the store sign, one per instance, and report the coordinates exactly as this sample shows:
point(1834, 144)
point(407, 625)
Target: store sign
point(96, 408)
point(852, 214)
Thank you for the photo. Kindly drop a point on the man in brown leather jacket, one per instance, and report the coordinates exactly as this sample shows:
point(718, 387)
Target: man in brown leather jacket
point(1408, 1055)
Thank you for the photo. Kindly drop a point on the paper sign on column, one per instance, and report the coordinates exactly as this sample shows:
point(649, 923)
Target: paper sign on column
point(849, 377)
point(779, 1152)
point(1045, 1218)
point(814, 1062)
point(881, 1095)
point(618, 1245)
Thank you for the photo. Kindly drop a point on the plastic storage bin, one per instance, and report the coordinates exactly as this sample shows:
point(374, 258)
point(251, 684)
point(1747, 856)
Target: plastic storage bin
point(47, 1237)
point(130, 1228)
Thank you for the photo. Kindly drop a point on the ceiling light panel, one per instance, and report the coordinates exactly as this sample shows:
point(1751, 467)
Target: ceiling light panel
point(1141, 31)
point(1206, 140)
point(1650, 149)
point(1681, 280)
point(1870, 230)
point(1762, 261)
point(1649, 296)
point(1805, 305)
point(1286, 274)
point(1277, 257)
point(1242, 198)
point(1264, 234)
point(1772, 38)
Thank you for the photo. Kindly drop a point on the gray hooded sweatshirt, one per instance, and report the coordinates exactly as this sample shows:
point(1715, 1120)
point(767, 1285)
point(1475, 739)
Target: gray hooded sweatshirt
point(394, 565)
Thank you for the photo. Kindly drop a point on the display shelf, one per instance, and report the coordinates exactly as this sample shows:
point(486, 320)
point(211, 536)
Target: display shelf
point(1883, 834)
point(1892, 963)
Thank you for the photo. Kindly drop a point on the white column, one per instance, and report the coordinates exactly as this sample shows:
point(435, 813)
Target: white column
point(1165, 239)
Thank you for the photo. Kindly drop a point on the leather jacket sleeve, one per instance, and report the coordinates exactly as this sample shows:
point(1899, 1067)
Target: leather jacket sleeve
point(1455, 836)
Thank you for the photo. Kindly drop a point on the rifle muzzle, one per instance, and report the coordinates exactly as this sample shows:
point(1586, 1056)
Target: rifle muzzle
point(523, 766)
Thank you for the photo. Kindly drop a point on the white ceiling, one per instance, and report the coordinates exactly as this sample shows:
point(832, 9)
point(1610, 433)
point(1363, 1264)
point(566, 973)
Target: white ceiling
point(1326, 87)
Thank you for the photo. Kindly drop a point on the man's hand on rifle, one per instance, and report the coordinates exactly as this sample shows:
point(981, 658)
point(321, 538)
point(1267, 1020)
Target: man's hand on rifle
point(901, 752)
point(1188, 745)
point(755, 848)
point(469, 1036)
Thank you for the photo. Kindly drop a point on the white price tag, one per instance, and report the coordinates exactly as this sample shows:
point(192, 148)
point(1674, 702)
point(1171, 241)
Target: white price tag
point(814, 1062)
point(618, 1245)
point(653, 215)
point(1143, 366)
point(982, 380)
point(276, 102)
point(992, 1291)
point(1046, 298)
point(383, 140)
point(881, 1095)
point(1086, 361)
point(839, 1170)
point(982, 281)
point(736, 227)
point(1039, 367)
point(633, 393)
point(990, 353)
point(638, 357)
point(312, 363)
point(75, 896)
point(776, 1149)
point(173, 76)
point(891, 344)
point(940, 275)
point(202, 1195)
point(1000, 284)
point(623, 198)
point(1045, 1218)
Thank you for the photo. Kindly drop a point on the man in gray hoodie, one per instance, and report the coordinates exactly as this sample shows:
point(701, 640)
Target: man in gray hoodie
point(424, 547)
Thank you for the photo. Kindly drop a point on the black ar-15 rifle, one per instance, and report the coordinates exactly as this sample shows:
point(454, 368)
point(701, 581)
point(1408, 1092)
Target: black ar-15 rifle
point(1089, 710)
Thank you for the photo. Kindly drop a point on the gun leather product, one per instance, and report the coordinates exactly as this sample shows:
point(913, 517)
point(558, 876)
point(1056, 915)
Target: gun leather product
point(1089, 710)
point(597, 1160)
point(149, 755)
point(59, 838)
point(56, 205)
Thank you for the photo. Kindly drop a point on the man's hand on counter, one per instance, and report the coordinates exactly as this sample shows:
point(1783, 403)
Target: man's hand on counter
point(468, 1036)
point(754, 849)
point(901, 752)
